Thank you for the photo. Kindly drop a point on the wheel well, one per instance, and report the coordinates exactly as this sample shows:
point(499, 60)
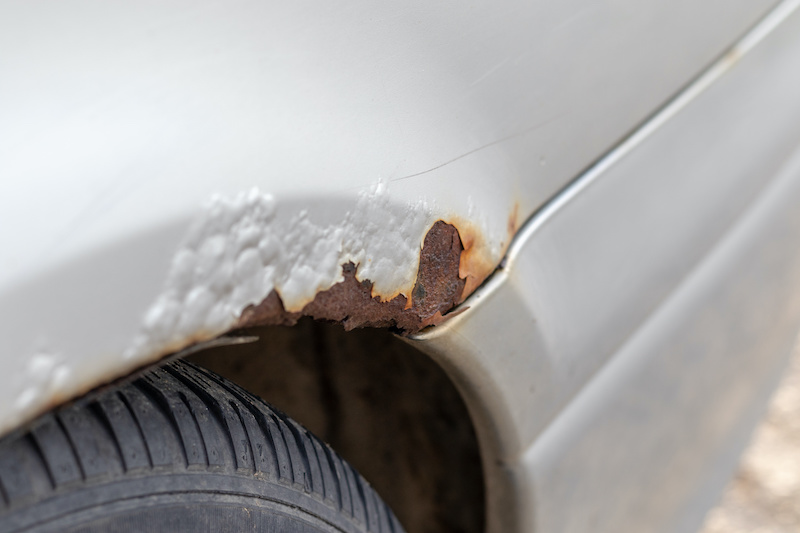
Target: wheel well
point(384, 406)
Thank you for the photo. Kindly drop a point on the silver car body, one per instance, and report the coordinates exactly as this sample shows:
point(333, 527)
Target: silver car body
point(624, 177)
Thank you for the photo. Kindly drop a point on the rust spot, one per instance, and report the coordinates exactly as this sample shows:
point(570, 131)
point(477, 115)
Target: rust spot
point(476, 264)
point(438, 288)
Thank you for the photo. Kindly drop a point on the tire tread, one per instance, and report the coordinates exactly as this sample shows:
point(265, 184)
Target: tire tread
point(177, 418)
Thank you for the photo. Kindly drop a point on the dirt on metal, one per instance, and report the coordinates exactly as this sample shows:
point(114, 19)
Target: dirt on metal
point(440, 286)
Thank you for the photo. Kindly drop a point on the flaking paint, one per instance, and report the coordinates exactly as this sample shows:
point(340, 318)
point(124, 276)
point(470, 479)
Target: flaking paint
point(240, 251)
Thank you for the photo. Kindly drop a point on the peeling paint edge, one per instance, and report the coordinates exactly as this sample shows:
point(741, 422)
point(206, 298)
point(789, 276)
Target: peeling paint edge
point(438, 288)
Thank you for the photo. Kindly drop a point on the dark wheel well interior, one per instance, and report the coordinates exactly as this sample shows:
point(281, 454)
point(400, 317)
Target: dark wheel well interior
point(384, 406)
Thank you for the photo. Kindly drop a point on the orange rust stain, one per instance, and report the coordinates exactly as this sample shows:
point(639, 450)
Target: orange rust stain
point(476, 264)
point(477, 261)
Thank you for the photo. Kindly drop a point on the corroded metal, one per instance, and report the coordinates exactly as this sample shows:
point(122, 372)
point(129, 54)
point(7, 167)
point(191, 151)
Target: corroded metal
point(438, 288)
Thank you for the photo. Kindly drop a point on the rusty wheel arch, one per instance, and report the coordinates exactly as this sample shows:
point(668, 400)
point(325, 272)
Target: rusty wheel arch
point(438, 288)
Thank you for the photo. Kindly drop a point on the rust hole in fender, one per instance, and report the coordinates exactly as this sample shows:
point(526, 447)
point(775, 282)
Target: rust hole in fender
point(439, 287)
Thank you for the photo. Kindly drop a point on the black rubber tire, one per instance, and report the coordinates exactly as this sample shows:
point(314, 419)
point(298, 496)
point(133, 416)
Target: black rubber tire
point(179, 449)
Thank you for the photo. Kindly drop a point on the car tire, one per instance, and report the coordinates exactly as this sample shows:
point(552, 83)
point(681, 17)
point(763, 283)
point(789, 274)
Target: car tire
point(179, 449)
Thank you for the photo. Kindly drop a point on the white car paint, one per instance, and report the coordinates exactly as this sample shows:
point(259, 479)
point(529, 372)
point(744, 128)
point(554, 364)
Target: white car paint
point(134, 134)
